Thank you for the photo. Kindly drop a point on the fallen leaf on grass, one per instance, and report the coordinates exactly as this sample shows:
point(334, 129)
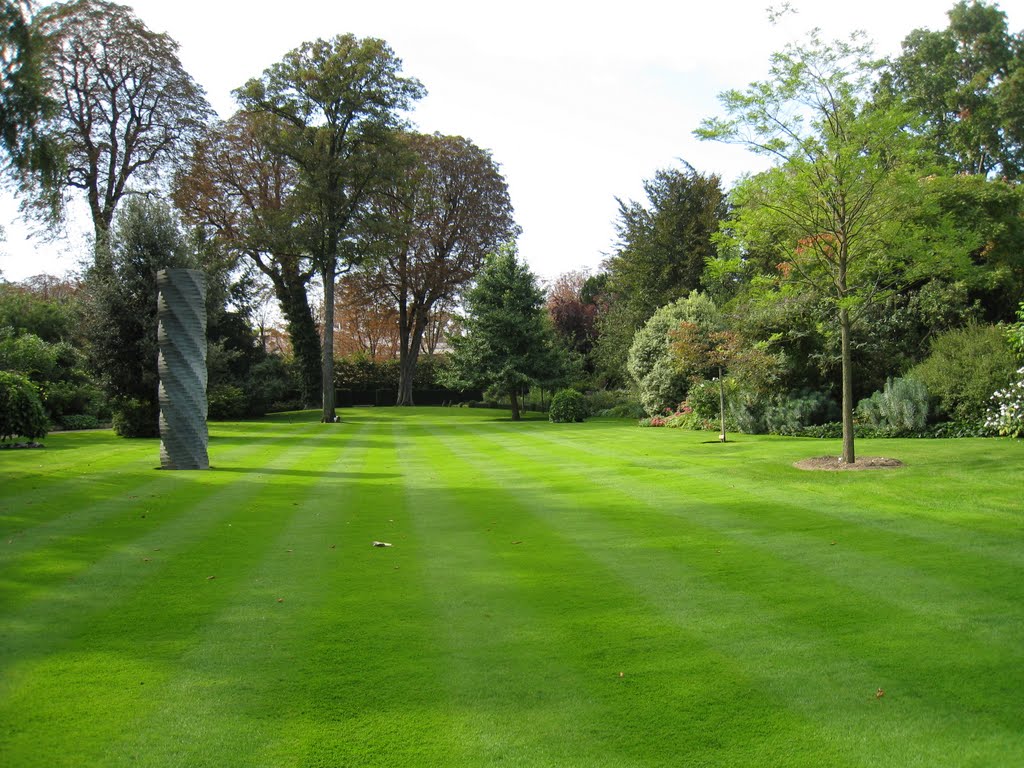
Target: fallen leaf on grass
point(210, 577)
point(879, 693)
point(333, 546)
point(280, 599)
point(517, 542)
point(622, 674)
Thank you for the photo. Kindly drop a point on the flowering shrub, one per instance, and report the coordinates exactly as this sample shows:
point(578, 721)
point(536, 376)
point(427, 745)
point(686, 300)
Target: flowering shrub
point(683, 417)
point(1006, 412)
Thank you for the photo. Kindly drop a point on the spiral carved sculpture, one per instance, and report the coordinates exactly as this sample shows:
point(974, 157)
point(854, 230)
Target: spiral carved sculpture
point(181, 333)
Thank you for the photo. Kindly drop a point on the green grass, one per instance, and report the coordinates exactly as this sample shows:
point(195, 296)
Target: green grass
point(557, 595)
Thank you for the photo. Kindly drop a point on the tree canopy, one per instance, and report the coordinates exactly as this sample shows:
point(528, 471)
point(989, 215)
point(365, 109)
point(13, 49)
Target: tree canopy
point(508, 343)
point(338, 103)
point(445, 214)
point(125, 107)
point(967, 83)
point(838, 203)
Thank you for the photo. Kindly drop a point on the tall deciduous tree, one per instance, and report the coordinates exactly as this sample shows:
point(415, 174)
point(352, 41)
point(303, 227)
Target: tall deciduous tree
point(844, 186)
point(23, 99)
point(967, 81)
point(453, 208)
point(126, 106)
point(337, 103)
point(508, 344)
point(243, 193)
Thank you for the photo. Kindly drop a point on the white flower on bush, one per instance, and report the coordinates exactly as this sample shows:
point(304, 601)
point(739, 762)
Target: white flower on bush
point(1006, 411)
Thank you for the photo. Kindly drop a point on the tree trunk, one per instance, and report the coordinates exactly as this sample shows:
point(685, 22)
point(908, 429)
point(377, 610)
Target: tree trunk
point(304, 337)
point(329, 273)
point(515, 405)
point(721, 403)
point(844, 329)
point(409, 352)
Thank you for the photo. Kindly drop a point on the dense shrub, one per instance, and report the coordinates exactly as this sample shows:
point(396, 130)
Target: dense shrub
point(1015, 332)
point(902, 406)
point(568, 405)
point(791, 413)
point(272, 385)
point(660, 383)
point(21, 411)
point(80, 421)
point(225, 402)
point(631, 410)
point(136, 418)
point(607, 399)
point(964, 368)
point(1006, 411)
point(681, 417)
point(703, 398)
point(56, 369)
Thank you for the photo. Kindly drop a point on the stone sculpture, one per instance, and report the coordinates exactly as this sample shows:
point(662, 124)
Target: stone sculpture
point(181, 333)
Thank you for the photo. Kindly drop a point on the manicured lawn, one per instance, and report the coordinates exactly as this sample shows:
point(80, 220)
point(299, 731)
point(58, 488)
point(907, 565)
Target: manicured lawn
point(557, 595)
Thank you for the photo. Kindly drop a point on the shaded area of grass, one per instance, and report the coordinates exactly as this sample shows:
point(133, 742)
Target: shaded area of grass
point(556, 595)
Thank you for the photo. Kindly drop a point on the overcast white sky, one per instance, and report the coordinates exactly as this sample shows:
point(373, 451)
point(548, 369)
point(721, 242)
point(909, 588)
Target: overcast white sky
point(578, 101)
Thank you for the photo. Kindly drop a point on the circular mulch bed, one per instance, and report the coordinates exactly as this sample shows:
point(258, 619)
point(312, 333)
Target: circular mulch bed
point(835, 464)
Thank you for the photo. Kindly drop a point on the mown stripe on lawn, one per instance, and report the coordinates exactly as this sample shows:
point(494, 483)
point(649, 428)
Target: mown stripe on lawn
point(826, 538)
point(765, 591)
point(538, 632)
point(112, 601)
point(322, 677)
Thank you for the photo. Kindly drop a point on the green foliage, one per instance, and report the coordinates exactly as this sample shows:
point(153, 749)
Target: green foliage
point(509, 344)
point(703, 397)
point(56, 369)
point(336, 107)
point(121, 307)
point(133, 417)
point(1015, 333)
point(24, 311)
point(664, 243)
point(659, 382)
point(791, 413)
point(568, 405)
point(80, 421)
point(977, 225)
point(902, 406)
point(966, 82)
point(837, 208)
point(615, 325)
point(21, 412)
point(271, 384)
point(964, 368)
point(226, 402)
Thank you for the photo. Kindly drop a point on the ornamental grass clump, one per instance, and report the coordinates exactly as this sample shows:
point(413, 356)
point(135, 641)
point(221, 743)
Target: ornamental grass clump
point(902, 406)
